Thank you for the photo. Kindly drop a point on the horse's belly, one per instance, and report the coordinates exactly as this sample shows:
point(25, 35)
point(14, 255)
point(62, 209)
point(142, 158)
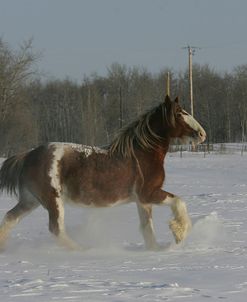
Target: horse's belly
point(94, 197)
point(94, 201)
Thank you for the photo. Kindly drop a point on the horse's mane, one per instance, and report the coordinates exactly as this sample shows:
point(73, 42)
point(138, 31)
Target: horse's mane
point(139, 133)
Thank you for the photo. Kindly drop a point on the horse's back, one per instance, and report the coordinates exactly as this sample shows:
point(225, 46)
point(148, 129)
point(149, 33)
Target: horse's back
point(81, 174)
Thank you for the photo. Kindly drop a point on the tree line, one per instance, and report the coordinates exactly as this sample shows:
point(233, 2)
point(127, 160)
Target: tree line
point(34, 111)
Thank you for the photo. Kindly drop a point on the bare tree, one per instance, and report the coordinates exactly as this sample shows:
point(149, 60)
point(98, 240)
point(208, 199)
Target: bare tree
point(16, 67)
point(240, 95)
point(15, 70)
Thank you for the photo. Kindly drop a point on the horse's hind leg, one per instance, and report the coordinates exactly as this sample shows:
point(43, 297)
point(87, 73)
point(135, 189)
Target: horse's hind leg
point(146, 226)
point(27, 203)
point(56, 223)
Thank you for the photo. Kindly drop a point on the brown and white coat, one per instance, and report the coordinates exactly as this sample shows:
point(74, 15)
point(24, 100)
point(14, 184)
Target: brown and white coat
point(130, 169)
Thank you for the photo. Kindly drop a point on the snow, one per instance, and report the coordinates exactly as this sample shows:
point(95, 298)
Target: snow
point(210, 265)
point(84, 149)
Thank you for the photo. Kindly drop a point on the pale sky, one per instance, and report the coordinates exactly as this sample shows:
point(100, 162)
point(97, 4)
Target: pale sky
point(79, 37)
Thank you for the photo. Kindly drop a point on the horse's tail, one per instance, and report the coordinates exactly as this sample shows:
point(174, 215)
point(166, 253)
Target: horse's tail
point(10, 173)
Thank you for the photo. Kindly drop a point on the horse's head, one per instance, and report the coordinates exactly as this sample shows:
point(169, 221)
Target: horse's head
point(182, 125)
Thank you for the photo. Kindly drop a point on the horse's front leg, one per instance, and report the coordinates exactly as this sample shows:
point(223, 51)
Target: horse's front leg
point(181, 224)
point(146, 225)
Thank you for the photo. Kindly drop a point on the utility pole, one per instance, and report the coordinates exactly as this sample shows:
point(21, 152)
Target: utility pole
point(120, 108)
point(168, 84)
point(191, 52)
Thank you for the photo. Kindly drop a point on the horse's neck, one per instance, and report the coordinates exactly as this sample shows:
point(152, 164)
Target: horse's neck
point(161, 152)
point(157, 154)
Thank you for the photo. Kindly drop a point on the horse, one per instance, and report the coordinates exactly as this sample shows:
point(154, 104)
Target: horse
point(129, 169)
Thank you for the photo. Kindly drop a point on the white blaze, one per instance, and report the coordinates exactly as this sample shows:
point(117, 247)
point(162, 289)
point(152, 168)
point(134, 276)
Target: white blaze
point(189, 120)
point(55, 182)
point(58, 153)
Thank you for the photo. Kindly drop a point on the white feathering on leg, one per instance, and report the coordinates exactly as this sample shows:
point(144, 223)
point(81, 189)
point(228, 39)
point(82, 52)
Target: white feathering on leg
point(181, 224)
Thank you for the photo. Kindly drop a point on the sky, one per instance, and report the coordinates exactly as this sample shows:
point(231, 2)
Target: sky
point(82, 37)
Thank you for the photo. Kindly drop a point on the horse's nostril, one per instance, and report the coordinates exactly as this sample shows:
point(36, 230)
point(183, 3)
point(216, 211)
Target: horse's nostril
point(202, 135)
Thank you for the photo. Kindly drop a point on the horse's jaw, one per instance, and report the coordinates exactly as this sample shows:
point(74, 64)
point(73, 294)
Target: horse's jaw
point(192, 140)
point(186, 140)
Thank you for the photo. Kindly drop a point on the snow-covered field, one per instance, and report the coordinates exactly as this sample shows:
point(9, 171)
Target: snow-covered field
point(210, 266)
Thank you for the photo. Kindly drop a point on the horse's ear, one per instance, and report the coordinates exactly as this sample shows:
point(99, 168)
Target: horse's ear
point(169, 111)
point(176, 100)
point(167, 99)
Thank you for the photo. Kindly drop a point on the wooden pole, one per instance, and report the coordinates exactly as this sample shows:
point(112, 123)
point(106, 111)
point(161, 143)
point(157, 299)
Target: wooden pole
point(120, 108)
point(191, 52)
point(191, 90)
point(168, 84)
point(191, 81)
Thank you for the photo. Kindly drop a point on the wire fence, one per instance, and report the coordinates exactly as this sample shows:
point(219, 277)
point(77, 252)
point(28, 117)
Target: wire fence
point(220, 148)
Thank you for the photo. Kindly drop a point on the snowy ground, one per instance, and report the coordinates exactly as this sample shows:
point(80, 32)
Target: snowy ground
point(210, 266)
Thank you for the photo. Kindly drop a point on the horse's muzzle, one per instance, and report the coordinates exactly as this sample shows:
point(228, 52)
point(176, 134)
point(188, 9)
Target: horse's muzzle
point(201, 135)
